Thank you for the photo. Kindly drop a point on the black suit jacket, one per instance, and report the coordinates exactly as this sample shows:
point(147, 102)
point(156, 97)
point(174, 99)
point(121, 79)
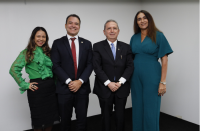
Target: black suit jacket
point(106, 68)
point(63, 65)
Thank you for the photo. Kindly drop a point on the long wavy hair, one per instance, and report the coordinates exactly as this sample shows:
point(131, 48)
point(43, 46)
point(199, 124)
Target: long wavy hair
point(32, 45)
point(151, 25)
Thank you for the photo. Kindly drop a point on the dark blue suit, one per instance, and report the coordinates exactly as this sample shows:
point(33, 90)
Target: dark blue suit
point(108, 68)
point(63, 68)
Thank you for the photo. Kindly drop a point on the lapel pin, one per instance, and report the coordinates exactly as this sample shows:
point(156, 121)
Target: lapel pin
point(118, 49)
point(121, 56)
point(81, 41)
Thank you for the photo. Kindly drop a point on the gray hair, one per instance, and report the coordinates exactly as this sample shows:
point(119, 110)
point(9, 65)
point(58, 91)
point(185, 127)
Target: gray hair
point(110, 21)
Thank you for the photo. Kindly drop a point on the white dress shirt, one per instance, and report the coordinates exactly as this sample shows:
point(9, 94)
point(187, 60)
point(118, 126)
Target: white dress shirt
point(122, 79)
point(77, 53)
point(76, 46)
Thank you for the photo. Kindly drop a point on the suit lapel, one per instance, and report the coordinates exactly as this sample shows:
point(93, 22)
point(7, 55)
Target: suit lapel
point(108, 49)
point(66, 43)
point(118, 51)
point(81, 48)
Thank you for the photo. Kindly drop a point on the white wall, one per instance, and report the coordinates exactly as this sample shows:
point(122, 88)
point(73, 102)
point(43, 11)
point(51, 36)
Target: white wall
point(17, 22)
point(180, 23)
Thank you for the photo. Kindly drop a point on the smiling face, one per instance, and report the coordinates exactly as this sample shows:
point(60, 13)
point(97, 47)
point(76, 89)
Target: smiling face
point(72, 26)
point(142, 21)
point(40, 38)
point(111, 31)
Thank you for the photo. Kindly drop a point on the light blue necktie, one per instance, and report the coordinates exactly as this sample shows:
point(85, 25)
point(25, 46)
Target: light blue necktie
point(113, 50)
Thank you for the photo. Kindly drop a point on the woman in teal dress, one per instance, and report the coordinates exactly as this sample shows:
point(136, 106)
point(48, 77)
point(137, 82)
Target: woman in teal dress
point(148, 82)
point(41, 89)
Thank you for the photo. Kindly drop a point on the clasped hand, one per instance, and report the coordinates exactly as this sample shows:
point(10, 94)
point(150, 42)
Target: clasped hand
point(74, 86)
point(114, 86)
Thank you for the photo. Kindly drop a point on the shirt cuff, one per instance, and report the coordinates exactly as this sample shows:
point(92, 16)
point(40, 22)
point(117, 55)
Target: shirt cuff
point(81, 81)
point(122, 79)
point(67, 81)
point(107, 82)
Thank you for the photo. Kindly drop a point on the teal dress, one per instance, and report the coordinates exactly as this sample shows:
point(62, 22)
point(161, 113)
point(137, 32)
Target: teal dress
point(145, 80)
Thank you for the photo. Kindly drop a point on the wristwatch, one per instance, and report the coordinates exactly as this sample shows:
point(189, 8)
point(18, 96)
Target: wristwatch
point(164, 83)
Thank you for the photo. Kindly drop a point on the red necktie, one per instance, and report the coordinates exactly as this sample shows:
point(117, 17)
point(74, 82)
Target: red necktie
point(73, 48)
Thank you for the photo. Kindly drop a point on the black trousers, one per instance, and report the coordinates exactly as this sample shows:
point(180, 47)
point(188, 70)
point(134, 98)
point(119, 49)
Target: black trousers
point(43, 104)
point(106, 105)
point(66, 103)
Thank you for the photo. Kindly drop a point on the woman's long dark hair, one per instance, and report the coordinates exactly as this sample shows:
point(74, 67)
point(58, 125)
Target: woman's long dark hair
point(151, 25)
point(32, 45)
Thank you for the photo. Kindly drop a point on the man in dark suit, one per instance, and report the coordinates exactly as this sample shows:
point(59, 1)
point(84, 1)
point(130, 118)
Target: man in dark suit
point(112, 62)
point(72, 64)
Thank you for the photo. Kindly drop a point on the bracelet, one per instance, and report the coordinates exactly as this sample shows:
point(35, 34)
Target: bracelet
point(164, 83)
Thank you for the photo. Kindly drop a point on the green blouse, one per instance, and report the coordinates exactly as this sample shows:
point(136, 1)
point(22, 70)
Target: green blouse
point(40, 67)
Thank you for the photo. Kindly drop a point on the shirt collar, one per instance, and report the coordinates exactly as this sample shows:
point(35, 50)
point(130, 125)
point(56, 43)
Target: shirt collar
point(115, 43)
point(68, 36)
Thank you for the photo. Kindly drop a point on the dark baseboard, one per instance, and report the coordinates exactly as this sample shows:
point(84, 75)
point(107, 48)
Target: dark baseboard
point(167, 123)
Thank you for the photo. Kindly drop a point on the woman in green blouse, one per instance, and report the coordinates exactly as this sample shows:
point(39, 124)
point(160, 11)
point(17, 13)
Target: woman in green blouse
point(41, 89)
